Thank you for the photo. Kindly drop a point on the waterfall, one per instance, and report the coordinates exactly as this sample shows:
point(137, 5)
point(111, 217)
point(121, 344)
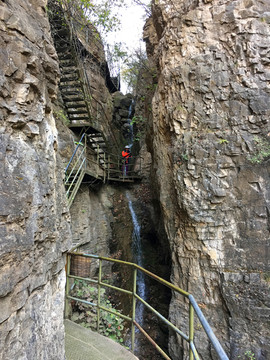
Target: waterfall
point(138, 259)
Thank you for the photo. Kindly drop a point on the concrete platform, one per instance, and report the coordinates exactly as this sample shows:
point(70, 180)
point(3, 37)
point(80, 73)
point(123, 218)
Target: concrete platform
point(84, 344)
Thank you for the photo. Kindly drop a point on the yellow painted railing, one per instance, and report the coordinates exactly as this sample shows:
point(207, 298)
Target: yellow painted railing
point(194, 309)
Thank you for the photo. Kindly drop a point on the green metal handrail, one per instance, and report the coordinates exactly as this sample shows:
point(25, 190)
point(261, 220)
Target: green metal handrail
point(193, 306)
point(79, 163)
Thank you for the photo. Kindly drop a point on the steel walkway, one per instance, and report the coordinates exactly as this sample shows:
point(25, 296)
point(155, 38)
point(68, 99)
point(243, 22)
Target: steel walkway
point(84, 344)
point(92, 159)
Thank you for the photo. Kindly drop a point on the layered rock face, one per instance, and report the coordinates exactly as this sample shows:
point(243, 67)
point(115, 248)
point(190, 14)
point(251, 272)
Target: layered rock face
point(35, 231)
point(210, 148)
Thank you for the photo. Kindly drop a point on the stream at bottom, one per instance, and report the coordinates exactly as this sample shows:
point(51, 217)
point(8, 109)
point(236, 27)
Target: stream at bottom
point(138, 259)
point(145, 253)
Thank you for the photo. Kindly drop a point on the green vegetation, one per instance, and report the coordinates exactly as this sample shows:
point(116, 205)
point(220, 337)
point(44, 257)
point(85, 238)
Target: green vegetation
point(102, 17)
point(61, 115)
point(99, 13)
point(135, 66)
point(261, 150)
point(139, 120)
point(266, 276)
point(249, 355)
point(139, 129)
point(184, 157)
point(110, 325)
point(223, 141)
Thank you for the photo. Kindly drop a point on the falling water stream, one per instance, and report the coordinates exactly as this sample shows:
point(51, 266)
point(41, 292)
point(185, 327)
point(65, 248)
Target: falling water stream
point(138, 259)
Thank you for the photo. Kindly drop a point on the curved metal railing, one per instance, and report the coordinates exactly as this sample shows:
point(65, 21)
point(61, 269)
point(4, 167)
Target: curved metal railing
point(193, 306)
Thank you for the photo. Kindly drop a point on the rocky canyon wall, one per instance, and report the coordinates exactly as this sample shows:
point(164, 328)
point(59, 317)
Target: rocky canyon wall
point(35, 231)
point(210, 145)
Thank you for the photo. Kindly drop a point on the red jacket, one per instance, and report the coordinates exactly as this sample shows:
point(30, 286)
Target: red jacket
point(125, 154)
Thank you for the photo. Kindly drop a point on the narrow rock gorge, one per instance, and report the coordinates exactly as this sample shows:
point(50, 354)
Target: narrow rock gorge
point(202, 197)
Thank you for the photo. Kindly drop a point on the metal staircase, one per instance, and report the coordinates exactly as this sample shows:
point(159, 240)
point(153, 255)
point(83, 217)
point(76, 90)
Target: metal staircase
point(91, 157)
point(75, 171)
point(74, 83)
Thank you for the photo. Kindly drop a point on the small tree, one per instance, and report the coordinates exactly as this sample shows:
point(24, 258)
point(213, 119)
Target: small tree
point(135, 65)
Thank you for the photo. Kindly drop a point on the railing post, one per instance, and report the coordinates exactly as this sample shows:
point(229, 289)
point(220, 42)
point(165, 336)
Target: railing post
point(191, 330)
point(67, 287)
point(133, 309)
point(98, 304)
point(109, 165)
point(85, 151)
point(104, 168)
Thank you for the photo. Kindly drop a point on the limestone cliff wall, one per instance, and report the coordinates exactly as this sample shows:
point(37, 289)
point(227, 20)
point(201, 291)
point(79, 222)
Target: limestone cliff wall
point(209, 141)
point(35, 231)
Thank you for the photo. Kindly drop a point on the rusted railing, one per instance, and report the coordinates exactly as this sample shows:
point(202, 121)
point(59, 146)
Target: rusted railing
point(193, 306)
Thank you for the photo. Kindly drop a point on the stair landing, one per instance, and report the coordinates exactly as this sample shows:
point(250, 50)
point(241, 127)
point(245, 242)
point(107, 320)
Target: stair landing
point(84, 344)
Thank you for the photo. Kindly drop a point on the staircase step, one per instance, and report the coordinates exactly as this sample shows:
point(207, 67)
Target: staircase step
point(75, 106)
point(76, 85)
point(64, 52)
point(95, 134)
point(63, 47)
point(71, 100)
point(75, 112)
point(97, 138)
point(65, 56)
point(61, 43)
point(100, 141)
point(72, 92)
point(63, 31)
point(75, 124)
point(69, 78)
point(79, 118)
point(98, 144)
point(68, 71)
point(71, 85)
point(66, 63)
point(101, 146)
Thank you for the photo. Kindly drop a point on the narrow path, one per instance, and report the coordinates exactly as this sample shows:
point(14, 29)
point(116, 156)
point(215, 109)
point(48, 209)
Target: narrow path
point(84, 344)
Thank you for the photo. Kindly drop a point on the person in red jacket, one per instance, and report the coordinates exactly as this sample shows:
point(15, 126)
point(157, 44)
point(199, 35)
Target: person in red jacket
point(126, 156)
